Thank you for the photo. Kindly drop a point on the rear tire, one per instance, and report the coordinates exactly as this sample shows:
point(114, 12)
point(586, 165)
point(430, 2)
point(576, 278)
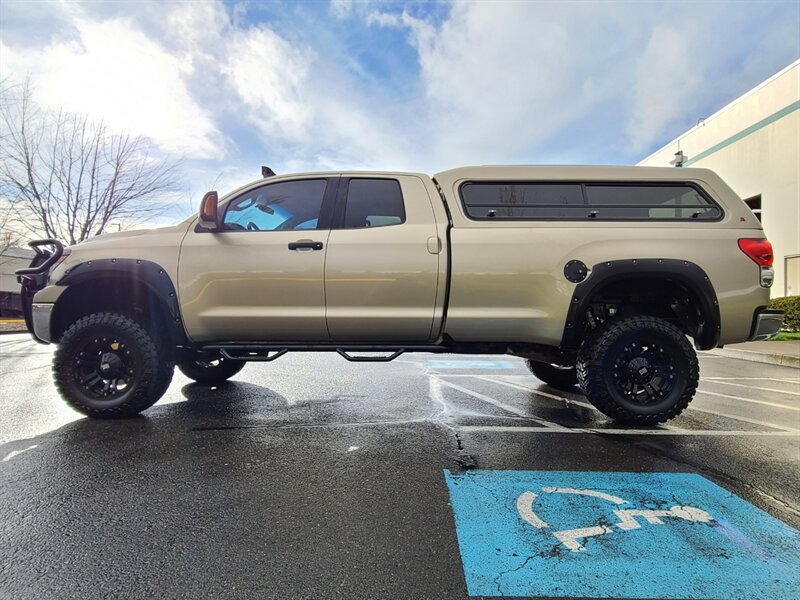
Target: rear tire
point(639, 370)
point(107, 366)
point(208, 369)
point(562, 378)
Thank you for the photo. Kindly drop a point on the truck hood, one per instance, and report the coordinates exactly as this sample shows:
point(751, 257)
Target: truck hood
point(124, 238)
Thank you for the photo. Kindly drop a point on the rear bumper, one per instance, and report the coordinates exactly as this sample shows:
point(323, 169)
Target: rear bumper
point(766, 323)
point(40, 322)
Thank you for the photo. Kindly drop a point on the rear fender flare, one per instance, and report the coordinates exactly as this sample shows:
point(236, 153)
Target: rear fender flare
point(687, 273)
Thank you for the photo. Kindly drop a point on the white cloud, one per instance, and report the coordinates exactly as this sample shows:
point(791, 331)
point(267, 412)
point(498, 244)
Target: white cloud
point(490, 81)
point(501, 77)
point(269, 75)
point(114, 72)
point(341, 9)
point(666, 86)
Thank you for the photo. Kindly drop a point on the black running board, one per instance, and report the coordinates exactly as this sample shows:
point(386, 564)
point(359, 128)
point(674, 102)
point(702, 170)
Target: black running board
point(269, 352)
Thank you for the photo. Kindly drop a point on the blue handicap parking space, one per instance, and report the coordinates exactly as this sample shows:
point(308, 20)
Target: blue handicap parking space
point(469, 364)
point(617, 535)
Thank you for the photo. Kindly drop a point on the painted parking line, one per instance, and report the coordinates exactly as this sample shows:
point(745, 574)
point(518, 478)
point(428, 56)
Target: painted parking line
point(617, 535)
point(758, 422)
point(664, 429)
point(499, 404)
point(469, 364)
point(750, 400)
point(753, 379)
point(568, 401)
point(751, 387)
point(618, 431)
point(693, 406)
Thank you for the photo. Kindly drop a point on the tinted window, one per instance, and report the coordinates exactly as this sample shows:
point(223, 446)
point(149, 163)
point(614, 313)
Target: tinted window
point(374, 203)
point(649, 202)
point(277, 207)
point(523, 200)
point(573, 201)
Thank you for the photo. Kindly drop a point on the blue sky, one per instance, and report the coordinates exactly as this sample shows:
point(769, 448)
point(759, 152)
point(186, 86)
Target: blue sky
point(420, 86)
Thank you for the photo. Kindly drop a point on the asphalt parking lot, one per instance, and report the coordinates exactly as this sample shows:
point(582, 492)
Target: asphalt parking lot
point(429, 477)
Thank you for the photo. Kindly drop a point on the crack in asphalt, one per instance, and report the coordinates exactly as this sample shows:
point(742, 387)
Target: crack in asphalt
point(496, 580)
point(730, 479)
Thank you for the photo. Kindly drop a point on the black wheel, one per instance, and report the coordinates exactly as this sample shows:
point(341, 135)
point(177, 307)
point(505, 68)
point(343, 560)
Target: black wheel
point(563, 378)
point(208, 369)
point(639, 370)
point(107, 366)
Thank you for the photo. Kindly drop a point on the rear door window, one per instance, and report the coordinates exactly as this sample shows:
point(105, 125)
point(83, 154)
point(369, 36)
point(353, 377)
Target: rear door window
point(373, 203)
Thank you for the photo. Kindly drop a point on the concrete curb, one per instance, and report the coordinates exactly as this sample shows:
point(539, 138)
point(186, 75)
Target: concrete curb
point(784, 360)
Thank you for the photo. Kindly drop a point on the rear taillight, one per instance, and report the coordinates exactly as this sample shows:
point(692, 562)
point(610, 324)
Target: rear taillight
point(759, 250)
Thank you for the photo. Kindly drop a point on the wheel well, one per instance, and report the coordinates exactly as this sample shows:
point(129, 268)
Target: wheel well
point(127, 296)
point(669, 299)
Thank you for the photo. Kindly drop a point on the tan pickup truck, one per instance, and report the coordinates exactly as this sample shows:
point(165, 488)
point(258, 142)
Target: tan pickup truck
point(599, 276)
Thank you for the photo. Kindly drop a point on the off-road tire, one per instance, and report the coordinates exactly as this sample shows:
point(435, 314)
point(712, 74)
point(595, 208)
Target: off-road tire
point(562, 378)
point(605, 368)
point(148, 379)
point(166, 369)
point(208, 370)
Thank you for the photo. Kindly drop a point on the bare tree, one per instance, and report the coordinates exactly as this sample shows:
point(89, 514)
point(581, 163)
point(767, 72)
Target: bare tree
point(66, 176)
point(9, 237)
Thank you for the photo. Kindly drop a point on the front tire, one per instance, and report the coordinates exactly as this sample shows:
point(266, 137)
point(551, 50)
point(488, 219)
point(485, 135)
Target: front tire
point(562, 378)
point(107, 366)
point(639, 370)
point(208, 369)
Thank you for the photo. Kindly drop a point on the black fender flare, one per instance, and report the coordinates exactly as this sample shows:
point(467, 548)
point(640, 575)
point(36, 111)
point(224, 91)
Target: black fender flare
point(140, 271)
point(685, 272)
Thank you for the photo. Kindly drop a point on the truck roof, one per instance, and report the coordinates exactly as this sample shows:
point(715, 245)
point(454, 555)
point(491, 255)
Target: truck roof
point(594, 172)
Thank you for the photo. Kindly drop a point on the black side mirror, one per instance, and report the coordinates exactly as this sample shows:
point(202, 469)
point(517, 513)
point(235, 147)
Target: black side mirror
point(209, 217)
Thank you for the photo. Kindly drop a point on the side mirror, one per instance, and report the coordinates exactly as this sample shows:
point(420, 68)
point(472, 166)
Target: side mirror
point(209, 218)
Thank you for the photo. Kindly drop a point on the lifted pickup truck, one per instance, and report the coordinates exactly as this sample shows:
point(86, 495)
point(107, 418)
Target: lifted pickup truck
point(597, 275)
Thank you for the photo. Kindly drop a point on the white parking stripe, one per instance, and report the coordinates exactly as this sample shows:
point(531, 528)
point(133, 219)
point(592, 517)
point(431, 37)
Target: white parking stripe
point(765, 402)
point(752, 379)
point(553, 396)
point(743, 419)
point(691, 406)
point(501, 405)
point(750, 387)
point(532, 390)
point(701, 432)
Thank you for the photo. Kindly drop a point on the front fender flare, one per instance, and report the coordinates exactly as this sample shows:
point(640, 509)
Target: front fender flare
point(141, 271)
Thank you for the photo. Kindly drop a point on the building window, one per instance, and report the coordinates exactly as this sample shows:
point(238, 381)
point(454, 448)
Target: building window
point(792, 270)
point(755, 205)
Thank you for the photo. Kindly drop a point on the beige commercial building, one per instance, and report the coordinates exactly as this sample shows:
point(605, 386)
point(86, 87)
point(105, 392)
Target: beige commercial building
point(753, 143)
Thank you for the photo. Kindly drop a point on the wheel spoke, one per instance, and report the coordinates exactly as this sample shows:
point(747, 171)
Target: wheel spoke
point(91, 379)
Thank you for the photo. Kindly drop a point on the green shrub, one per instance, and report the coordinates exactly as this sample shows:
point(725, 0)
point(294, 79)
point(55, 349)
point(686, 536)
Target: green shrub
point(791, 311)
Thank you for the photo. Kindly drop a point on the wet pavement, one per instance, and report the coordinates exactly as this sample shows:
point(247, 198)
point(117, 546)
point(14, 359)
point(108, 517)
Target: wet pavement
point(312, 477)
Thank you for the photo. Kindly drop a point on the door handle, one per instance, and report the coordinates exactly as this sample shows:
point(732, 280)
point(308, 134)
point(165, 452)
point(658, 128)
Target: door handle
point(305, 244)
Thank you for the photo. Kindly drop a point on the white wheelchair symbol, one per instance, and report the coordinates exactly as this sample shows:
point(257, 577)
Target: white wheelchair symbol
point(627, 517)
